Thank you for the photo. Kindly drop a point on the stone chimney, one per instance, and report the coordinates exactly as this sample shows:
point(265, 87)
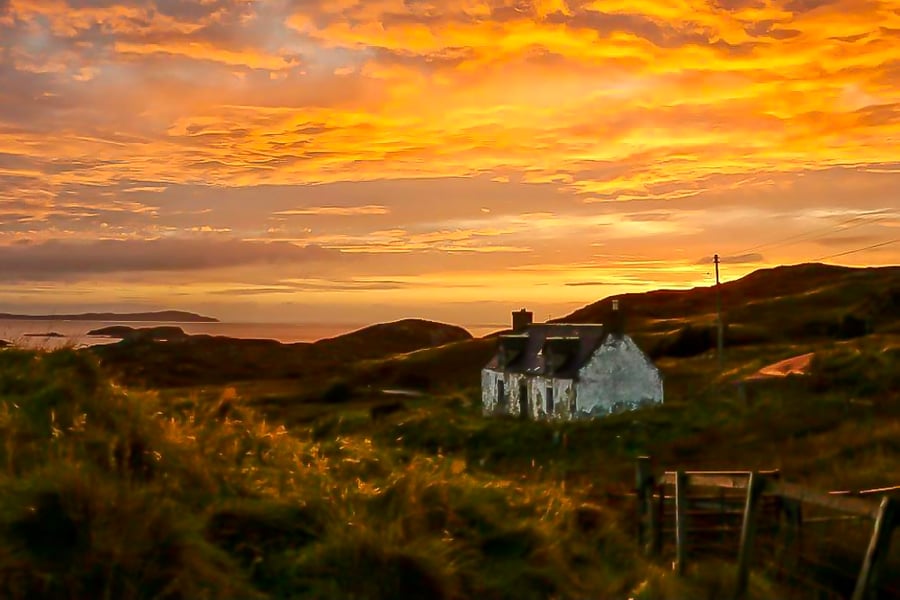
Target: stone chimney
point(615, 322)
point(522, 319)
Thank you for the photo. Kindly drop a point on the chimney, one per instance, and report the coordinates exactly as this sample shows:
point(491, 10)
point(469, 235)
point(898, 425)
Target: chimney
point(522, 319)
point(615, 323)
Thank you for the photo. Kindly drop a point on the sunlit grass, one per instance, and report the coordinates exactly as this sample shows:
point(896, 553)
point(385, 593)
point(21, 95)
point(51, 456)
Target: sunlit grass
point(108, 492)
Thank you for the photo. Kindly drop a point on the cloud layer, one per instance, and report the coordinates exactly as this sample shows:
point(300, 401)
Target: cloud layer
point(474, 145)
point(66, 260)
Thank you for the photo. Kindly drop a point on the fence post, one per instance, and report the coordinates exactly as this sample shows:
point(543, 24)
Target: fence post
point(660, 521)
point(887, 520)
point(648, 526)
point(652, 520)
point(723, 508)
point(792, 511)
point(755, 488)
point(642, 476)
point(778, 502)
point(681, 508)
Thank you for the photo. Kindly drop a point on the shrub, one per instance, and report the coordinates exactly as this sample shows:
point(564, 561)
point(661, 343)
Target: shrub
point(338, 392)
point(853, 327)
point(75, 534)
point(690, 340)
point(361, 564)
point(849, 370)
point(97, 499)
point(265, 536)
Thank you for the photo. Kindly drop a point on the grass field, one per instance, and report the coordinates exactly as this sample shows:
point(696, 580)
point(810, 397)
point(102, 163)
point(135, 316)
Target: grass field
point(268, 488)
point(112, 493)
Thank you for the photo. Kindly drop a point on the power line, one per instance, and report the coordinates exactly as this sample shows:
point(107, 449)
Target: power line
point(872, 247)
point(822, 230)
point(836, 229)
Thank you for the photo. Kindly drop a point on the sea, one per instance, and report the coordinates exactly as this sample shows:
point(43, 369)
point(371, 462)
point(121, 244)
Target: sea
point(50, 334)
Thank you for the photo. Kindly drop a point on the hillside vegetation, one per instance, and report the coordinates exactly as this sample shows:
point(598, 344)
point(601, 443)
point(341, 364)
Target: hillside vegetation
point(263, 487)
point(141, 360)
point(810, 302)
point(770, 313)
point(111, 493)
point(106, 493)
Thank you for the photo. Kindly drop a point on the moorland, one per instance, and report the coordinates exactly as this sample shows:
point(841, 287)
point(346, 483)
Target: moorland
point(203, 467)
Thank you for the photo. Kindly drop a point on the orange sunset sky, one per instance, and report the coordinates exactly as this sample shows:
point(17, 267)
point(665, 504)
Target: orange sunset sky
point(362, 160)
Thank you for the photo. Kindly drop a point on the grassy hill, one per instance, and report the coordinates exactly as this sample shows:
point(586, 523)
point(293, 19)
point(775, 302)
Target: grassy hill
point(767, 312)
point(783, 304)
point(256, 488)
point(203, 359)
point(810, 303)
point(110, 493)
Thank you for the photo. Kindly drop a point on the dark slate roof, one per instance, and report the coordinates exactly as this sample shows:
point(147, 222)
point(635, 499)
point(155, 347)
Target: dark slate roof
point(549, 349)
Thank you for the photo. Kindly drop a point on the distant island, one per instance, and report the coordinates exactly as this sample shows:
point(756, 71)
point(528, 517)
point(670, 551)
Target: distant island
point(165, 316)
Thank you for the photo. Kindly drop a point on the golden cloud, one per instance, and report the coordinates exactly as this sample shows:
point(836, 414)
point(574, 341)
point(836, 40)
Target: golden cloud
point(340, 211)
point(594, 100)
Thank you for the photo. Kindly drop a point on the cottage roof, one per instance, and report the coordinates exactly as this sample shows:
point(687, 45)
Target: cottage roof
point(551, 349)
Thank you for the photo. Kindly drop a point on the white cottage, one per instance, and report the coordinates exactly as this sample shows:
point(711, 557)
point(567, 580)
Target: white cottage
point(568, 371)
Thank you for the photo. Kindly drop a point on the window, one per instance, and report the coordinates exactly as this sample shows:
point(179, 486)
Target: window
point(549, 399)
point(501, 394)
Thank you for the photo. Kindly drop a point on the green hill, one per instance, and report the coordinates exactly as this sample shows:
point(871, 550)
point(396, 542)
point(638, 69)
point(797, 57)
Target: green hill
point(784, 305)
point(791, 303)
point(189, 360)
point(247, 482)
point(764, 311)
point(112, 493)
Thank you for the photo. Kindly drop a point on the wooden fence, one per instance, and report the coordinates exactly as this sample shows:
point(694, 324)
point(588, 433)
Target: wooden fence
point(708, 511)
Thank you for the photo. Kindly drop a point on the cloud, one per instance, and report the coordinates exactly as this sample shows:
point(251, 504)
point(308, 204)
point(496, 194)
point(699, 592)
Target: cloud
point(673, 96)
point(340, 211)
point(148, 188)
point(65, 260)
point(587, 284)
point(466, 140)
point(739, 259)
point(315, 285)
point(849, 241)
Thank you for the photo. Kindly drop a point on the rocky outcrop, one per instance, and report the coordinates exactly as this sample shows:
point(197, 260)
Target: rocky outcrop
point(123, 332)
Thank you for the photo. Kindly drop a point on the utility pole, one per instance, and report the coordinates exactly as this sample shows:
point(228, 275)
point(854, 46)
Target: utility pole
point(721, 325)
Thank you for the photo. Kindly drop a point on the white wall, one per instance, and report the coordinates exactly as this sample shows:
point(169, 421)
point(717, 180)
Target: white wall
point(563, 398)
point(563, 394)
point(489, 381)
point(619, 377)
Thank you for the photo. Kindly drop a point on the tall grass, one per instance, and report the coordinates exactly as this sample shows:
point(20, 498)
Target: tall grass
point(110, 493)
point(107, 493)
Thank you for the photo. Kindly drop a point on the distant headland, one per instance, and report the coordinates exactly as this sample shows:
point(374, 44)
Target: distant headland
point(165, 316)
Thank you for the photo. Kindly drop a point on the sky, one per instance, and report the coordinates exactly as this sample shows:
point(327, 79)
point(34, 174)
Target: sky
point(353, 161)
